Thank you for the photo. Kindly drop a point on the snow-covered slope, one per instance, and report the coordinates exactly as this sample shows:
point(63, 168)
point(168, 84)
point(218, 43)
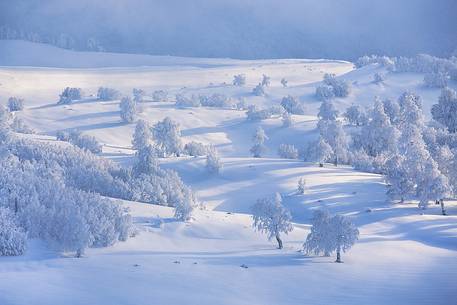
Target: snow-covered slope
point(403, 257)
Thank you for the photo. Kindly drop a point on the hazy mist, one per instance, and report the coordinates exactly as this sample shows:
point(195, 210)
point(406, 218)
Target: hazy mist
point(247, 29)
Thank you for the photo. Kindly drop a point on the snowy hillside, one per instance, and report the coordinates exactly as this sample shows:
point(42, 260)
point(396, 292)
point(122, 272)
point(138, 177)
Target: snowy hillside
point(404, 255)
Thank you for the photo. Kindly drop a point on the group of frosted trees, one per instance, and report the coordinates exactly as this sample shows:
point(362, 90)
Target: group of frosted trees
point(53, 193)
point(329, 233)
point(418, 159)
point(438, 71)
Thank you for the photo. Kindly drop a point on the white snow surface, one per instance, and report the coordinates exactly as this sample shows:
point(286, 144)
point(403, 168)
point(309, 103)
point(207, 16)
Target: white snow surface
point(404, 255)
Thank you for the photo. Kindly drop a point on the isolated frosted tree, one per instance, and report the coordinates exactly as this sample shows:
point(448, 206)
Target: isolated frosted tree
point(284, 82)
point(265, 80)
point(327, 111)
point(213, 162)
point(167, 135)
point(301, 187)
point(69, 95)
point(12, 236)
point(344, 234)
point(286, 119)
point(378, 78)
point(185, 205)
point(259, 90)
point(329, 234)
point(319, 240)
point(445, 112)
point(259, 139)
point(138, 95)
point(239, 80)
point(292, 105)
point(128, 110)
point(15, 104)
point(108, 94)
point(272, 218)
point(142, 136)
point(355, 115)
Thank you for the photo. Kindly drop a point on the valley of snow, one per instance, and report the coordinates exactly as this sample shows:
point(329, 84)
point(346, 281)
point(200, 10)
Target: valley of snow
point(404, 255)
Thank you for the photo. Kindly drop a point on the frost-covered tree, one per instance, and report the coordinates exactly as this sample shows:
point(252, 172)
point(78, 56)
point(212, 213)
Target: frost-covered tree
point(146, 161)
point(432, 185)
point(272, 218)
point(378, 78)
point(301, 186)
point(379, 136)
point(355, 115)
point(327, 111)
point(319, 240)
point(185, 205)
point(324, 92)
point(167, 135)
point(320, 151)
point(399, 184)
point(108, 94)
point(142, 136)
point(329, 234)
point(160, 96)
point(12, 236)
point(259, 90)
point(213, 162)
point(69, 95)
point(287, 151)
point(128, 110)
point(392, 109)
point(341, 88)
point(138, 95)
point(292, 105)
point(286, 119)
point(259, 138)
point(195, 149)
point(265, 80)
point(239, 80)
point(15, 104)
point(284, 82)
point(445, 112)
point(334, 134)
point(344, 233)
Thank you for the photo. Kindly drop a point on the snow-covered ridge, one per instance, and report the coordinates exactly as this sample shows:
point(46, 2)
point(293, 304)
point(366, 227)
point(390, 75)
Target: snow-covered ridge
point(29, 54)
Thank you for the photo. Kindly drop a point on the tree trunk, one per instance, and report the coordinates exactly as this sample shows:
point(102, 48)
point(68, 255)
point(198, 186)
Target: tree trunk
point(338, 254)
point(16, 207)
point(437, 202)
point(443, 210)
point(279, 241)
point(321, 165)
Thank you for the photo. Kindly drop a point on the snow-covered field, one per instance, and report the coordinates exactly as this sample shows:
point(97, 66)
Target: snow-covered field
point(404, 255)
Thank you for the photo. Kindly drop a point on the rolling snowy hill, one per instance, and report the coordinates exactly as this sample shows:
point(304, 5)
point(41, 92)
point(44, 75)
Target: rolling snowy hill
point(404, 255)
